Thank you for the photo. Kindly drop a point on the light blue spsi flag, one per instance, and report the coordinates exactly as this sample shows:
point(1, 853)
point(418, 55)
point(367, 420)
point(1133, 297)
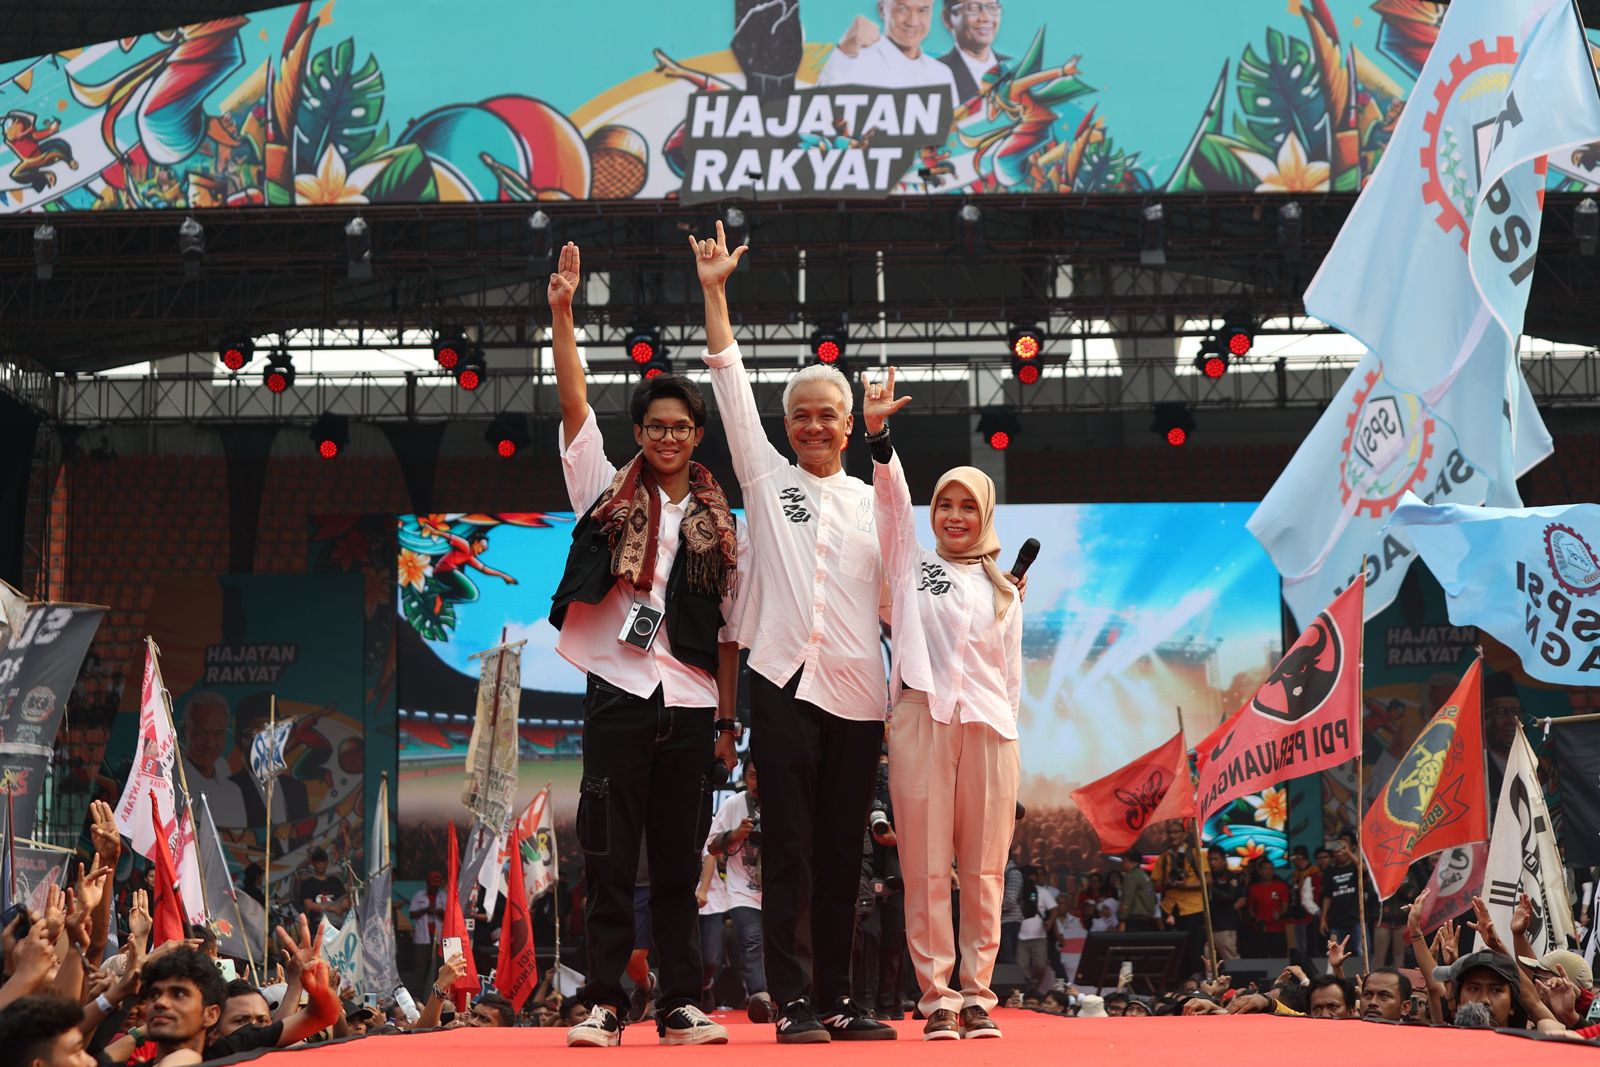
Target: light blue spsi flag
point(1432, 269)
point(1529, 577)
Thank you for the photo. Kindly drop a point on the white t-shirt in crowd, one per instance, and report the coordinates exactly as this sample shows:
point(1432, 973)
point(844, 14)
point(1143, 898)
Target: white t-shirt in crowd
point(716, 891)
point(1033, 929)
point(425, 927)
point(743, 880)
point(881, 65)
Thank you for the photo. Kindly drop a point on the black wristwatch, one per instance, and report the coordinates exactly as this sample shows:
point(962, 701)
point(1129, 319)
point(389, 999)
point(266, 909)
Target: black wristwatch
point(730, 726)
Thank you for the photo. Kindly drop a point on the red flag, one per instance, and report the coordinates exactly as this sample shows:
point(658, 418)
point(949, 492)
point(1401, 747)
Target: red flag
point(1152, 789)
point(517, 971)
point(455, 925)
point(1436, 798)
point(166, 905)
point(1306, 717)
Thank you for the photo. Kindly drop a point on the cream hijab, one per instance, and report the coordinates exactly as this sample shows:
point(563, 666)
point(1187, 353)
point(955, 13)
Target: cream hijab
point(986, 549)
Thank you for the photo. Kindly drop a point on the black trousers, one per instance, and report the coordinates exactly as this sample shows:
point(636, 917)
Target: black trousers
point(645, 772)
point(817, 775)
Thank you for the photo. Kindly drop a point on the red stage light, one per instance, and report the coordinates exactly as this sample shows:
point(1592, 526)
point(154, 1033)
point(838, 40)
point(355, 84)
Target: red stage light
point(828, 351)
point(642, 351)
point(1026, 346)
point(448, 357)
point(469, 379)
point(506, 448)
point(1028, 373)
point(1177, 437)
point(277, 381)
point(651, 372)
point(999, 440)
point(233, 357)
point(1239, 343)
point(1214, 367)
point(327, 448)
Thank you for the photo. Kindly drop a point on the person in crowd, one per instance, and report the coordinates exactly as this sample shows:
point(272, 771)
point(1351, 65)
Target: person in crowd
point(1267, 901)
point(890, 56)
point(1136, 901)
point(1177, 876)
point(1332, 997)
point(1087, 906)
point(1340, 916)
point(427, 923)
point(1388, 940)
point(322, 895)
point(643, 608)
point(245, 1006)
point(956, 689)
point(1227, 902)
point(973, 25)
point(735, 846)
point(817, 687)
point(492, 1009)
point(1307, 900)
point(1386, 994)
point(1010, 911)
point(43, 1031)
point(1040, 904)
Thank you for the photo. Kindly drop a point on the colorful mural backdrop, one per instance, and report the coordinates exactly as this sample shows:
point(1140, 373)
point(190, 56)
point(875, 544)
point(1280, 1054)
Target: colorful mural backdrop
point(420, 101)
point(229, 644)
point(1133, 611)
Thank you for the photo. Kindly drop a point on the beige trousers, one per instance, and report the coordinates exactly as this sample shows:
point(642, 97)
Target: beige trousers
point(954, 789)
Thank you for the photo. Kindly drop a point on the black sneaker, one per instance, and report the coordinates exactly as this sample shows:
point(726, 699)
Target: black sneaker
point(798, 1025)
point(639, 1000)
point(601, 1029)
point(848, 1022)
point(688, 1025)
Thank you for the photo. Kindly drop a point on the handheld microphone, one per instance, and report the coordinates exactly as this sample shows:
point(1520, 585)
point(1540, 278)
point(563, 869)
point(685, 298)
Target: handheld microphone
point(1025, 556)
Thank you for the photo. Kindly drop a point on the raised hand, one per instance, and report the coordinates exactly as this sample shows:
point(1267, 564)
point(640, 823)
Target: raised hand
point(139, 922)
point(1560, 995)
point(103, 831)
point(1484, 924)
point(1414, 912)
point(1446, 943)
point(1338, 951)
point(878, 402)
point(35, 958)
point(713, 261)
point(1521, 916)
point(299, 952)
point(451, 971)
point(92, 886)
point(564, 282)
point(862, 32)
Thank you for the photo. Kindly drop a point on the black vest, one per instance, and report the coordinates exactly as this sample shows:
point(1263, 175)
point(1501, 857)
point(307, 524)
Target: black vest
point(692, 619)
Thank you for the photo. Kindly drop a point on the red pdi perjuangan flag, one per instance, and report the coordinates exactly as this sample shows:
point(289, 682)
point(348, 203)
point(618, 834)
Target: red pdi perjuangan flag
point(455, 925)
point(166, 905)
point(1306, 717)
point(1150, 790)
point(516, 972)
point(1436, 798)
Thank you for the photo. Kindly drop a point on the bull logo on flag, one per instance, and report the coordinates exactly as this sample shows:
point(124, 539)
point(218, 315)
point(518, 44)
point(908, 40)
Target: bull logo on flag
point(1305, 678)
point(1572, 561)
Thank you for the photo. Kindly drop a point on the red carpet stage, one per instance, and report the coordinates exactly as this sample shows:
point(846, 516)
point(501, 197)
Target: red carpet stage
point(1030, 1037)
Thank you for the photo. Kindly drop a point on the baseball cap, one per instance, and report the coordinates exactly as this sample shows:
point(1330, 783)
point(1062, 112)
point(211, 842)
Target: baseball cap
point(1501, 965)
point(1576, 966)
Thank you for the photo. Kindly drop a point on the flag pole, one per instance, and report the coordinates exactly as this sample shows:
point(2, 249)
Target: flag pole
point(1202, 867)
point(183, 775)
point(1361, 793)
point(233, 895)
point(266, 862)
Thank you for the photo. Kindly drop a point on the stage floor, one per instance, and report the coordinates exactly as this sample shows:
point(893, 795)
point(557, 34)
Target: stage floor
point(1030, 1037)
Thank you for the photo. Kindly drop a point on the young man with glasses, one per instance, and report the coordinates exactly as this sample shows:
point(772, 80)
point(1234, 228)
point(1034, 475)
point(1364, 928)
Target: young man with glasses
point(973, 24)
point(643, 606)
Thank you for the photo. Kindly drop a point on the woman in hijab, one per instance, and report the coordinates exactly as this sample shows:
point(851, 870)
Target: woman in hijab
point(955, 684)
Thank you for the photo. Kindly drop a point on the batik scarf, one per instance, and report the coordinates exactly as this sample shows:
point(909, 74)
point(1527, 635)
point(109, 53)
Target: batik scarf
point(629, 512)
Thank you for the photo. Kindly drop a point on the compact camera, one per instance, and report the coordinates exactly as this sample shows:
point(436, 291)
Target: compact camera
point(639, 628)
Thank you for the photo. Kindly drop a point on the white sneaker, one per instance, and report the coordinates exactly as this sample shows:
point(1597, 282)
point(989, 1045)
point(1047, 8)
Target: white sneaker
point(688, 1025)
point(600, 1030)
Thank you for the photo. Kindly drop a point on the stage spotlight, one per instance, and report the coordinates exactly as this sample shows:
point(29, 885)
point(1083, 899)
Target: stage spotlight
point(1586, 225)
point(472, 371)
point(828, 345)
point(1153, 236)
point(1238, 338)
point(970, 213)
point(278, 375)
point(1290, 230)
point(448, 348)
point(656, 367)
point(191, 245)
point(999, 428)
point(330, 433)
point(508, 434)
point(1173, 422)
point(358, 246)
point(540, 234)
point(1027, 353)
point(643, 343)
point(44, 251)
point(1212, 360)
point(235, 352)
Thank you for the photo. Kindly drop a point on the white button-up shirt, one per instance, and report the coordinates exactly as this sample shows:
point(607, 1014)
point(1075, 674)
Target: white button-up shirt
point(815, 576)
point(881, 65)
point(589, 633)
point(947, 642)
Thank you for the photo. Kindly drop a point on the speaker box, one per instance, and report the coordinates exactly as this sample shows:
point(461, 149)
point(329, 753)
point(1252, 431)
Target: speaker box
point(1256, 969)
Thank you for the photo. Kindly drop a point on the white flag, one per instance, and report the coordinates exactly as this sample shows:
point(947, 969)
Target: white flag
point(378, 840)
point(1523, 857)
point(152, 773)
point(341, 947)
point(267, 751)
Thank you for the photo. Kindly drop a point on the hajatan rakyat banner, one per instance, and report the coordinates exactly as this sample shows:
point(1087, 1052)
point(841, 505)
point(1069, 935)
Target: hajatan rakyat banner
point(410, 101)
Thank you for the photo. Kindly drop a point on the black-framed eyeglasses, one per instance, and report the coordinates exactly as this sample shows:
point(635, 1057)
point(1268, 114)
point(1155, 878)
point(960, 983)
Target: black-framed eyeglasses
point(658, 431)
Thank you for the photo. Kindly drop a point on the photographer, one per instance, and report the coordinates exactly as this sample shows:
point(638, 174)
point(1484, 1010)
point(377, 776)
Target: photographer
point(735, 842)
point(880, 942)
